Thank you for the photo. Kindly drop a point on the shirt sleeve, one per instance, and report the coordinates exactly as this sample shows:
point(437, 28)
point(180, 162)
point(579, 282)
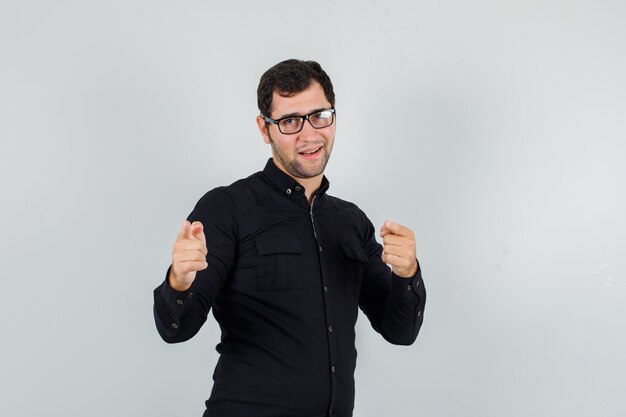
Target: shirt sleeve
point(179, 315)
point(393, 305)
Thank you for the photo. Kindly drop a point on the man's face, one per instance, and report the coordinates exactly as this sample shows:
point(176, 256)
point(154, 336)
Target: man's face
point(306, 153)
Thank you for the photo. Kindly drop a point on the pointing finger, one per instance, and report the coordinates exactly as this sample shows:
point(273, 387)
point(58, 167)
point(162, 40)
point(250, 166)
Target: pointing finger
point(395, 228)
point(384, 230)
point(197, 230)
point(184, 230)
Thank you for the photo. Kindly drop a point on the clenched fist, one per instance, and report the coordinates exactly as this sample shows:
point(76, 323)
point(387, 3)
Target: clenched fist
point(399, 249)
point(188, 256)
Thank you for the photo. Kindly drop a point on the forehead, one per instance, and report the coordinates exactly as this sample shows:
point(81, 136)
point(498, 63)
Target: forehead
point(304, 102)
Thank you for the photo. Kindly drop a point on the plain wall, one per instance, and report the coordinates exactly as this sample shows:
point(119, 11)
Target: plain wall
point(494, 129)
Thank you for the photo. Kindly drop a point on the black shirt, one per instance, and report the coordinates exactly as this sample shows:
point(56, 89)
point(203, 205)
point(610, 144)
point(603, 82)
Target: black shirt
point(285, 280)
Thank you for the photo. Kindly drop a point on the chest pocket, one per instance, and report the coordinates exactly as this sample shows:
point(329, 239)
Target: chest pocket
point(354, 268)
point(279, 264)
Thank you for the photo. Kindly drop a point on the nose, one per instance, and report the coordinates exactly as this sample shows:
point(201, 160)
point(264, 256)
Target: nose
point(308, 131)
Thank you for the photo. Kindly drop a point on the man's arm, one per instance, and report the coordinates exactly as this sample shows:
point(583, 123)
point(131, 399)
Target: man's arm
point(393, 301)
point(203, 255)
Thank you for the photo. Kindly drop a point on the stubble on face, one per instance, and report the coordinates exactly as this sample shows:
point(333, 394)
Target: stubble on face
point(294, 167)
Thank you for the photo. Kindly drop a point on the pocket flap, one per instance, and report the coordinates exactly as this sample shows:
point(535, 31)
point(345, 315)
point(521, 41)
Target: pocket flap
point(270, 245)
point(355, 252)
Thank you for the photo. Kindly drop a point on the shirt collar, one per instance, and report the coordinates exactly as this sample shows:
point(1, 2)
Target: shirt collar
point(287, 184)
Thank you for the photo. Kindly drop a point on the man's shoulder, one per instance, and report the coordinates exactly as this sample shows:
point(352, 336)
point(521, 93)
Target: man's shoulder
point(243, 192)
point(244, 185)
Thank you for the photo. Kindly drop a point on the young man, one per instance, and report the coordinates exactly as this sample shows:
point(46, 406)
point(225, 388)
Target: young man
point(285, 268)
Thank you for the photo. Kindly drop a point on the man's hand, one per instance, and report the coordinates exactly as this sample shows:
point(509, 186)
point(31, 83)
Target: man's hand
point(188, 256)
point(399, 249)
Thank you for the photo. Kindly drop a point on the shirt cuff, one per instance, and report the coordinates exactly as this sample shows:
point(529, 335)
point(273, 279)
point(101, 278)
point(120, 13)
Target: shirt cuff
point(407, 288)
point(178, 302)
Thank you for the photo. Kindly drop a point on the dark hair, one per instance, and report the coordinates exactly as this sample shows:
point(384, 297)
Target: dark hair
point(290, 77)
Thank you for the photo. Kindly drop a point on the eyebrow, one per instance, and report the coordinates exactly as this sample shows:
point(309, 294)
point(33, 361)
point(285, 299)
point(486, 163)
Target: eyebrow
point(299, 114)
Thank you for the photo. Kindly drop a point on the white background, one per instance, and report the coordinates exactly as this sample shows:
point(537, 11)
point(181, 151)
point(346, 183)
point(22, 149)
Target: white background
point(495, 129)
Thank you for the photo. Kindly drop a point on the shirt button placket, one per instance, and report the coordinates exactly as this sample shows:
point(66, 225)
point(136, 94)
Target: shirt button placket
point(328, 311)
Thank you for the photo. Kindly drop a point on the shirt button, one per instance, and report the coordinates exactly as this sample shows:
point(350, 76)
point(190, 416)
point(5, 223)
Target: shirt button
point(298, 188)
point(325, 288)
point(330, 329)
point(320, 247)
point(288, 191)
point(174, 325)
point(179, 302)
point(332, 368)
point(419, 313)
point(409, 288)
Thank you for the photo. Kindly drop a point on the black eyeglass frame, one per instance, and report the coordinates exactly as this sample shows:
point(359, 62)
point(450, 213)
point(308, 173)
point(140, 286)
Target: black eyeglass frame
point(276, 122)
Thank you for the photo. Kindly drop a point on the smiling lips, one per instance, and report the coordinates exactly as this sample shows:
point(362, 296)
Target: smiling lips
point(311, 151)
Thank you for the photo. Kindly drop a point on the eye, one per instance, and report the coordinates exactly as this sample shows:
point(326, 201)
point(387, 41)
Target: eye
point(289, 121)
point(324, 114)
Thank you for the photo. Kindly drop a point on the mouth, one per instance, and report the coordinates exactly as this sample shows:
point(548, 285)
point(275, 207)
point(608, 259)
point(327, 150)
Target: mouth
point(311, 153)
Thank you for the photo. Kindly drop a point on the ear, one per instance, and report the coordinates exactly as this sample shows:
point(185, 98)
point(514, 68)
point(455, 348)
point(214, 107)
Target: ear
point(263, 129)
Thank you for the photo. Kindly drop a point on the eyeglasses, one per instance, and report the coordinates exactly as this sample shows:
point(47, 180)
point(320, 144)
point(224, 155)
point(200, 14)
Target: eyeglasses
point(293, 124)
